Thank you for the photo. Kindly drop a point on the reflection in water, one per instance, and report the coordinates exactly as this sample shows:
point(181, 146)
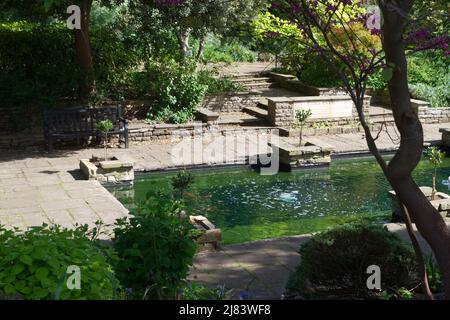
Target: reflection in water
point(242, 197)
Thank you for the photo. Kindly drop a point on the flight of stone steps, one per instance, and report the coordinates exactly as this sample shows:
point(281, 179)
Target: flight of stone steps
point(253, 81)
point(258, 82)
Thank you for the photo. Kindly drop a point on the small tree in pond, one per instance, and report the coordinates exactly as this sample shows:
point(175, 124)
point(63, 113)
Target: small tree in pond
point(301, 116)
point(104, 127)
point(181, 182)
point(435, 156)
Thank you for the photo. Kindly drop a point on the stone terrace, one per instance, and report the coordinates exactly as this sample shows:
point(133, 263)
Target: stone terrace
point(37, 187)
point(37, 190)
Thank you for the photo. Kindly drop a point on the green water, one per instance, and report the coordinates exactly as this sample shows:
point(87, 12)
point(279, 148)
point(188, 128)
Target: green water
point(249, 206)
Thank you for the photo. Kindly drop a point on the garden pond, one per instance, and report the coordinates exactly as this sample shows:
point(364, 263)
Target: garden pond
point(249, 206)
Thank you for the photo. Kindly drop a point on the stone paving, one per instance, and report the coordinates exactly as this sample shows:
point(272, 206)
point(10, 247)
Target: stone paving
point(387, 141)
point(49, 190)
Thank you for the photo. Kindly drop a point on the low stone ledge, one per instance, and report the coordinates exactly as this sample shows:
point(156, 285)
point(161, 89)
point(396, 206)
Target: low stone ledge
point(293, 156)
point(110, 172)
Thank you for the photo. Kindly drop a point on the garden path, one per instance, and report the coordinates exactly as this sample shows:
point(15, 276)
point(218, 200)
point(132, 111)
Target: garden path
point(260, 269)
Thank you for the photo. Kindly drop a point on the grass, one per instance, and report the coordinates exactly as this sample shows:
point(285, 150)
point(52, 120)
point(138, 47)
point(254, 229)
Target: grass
point(240, 234)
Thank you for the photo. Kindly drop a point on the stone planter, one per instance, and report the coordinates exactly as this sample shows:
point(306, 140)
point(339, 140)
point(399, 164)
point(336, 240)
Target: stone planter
point(441, 203)
point(110, 172)
point(292, 156)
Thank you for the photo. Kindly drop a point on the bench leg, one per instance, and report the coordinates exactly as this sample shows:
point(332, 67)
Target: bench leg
point(126, 139)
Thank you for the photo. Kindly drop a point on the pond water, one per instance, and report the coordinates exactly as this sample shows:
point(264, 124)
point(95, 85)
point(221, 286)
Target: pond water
point(247, 205)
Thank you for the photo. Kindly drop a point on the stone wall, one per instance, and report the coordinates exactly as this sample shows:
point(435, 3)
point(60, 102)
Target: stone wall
point(165, 132)
point(18, 119)
point(230, 101)
point(324, 108)
point(292, 83)
point(434, 115)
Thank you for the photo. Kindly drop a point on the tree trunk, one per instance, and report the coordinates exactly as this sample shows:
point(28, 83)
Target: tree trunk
point(84, 53)
point(201, 46)
point(429, 222)
point(183, 41)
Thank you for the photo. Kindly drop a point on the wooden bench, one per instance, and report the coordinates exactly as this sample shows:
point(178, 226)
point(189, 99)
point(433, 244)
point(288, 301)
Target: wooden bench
point(207, 115)
point(77, 123)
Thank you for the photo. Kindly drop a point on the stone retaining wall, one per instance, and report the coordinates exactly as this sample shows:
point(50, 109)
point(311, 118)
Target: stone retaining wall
point(434, 115)
point(324, 108)
point(228, 102)
point(174, 132)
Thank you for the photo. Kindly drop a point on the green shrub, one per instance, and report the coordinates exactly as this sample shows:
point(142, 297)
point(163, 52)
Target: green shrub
point(220, 50)
point(314, 71)
point(33, 264)
point(155, 251)
point(37, 64)
point(177, 91)
point(217, 84)
point(438, 97)
point(434, 275)
point(428, 68)
point(376, 81)
point(334, 263)
point(194, 291)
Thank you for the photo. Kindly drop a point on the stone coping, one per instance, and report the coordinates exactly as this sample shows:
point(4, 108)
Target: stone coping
point(310, 98)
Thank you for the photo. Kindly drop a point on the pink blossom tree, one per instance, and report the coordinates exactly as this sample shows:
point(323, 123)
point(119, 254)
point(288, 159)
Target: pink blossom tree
point(329, 28)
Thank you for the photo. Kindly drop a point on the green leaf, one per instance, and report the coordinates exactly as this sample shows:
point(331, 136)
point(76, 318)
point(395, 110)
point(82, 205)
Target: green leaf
point(26, 260)
point(41, 273)
point(18, 268)
point(9, 289)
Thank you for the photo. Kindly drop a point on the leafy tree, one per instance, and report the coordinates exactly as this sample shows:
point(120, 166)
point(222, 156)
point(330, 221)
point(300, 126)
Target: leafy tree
point(45, 11)
point(322, 22)
point(196, 17)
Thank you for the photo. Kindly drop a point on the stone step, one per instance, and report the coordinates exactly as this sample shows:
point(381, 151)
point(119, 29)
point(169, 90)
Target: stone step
point(263, 104)
point(256, 86)
point(257, 112)
point(245, 75)
point(242, 122)
point(252, 80)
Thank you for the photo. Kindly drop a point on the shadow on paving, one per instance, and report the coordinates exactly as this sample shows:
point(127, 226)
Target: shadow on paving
point(254, 270)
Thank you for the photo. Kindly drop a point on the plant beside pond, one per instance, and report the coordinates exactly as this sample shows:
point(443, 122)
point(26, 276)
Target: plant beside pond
point(301, 116)
point(334, 263)
point(155, 250)
point(34, 264)
point(435, 156)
